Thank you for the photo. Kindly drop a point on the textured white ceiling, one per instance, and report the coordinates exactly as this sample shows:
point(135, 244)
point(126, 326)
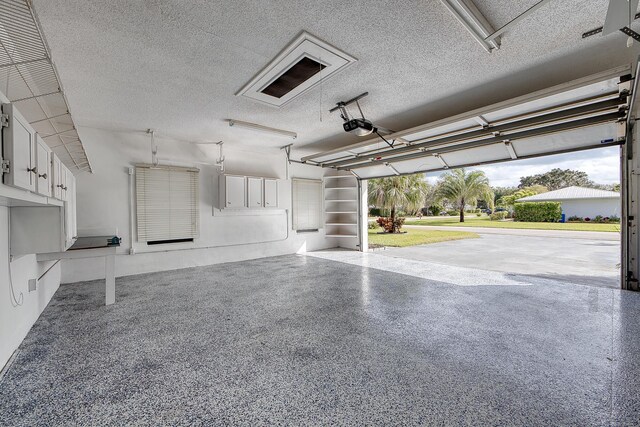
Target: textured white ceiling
point(174, 65)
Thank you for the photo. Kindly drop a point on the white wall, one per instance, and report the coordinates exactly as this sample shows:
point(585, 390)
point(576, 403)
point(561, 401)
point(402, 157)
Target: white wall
point(17, 320)
point(591, 208)
point(104, 206)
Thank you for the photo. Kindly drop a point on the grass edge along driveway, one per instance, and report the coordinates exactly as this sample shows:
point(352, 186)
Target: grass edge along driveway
point(485, 222)
point(414, 237)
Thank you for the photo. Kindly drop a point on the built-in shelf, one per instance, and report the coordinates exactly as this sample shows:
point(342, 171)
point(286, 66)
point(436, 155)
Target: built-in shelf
point(341, 198)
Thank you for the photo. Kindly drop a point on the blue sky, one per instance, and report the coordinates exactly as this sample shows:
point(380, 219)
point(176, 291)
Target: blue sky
point(602, 165)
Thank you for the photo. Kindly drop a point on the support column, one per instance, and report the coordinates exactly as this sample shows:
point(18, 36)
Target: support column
point(110, 279)
point(629, 193)
point(363, 214)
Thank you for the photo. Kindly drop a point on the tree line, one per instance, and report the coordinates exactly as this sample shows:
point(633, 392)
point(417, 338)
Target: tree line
point(461, 189)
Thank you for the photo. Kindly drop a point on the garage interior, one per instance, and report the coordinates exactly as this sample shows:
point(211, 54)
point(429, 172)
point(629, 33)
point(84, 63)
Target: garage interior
point(184, 212)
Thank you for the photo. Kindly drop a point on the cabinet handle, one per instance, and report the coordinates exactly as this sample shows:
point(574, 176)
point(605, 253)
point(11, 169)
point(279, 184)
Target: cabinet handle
point(44, 175)
point(34, 170)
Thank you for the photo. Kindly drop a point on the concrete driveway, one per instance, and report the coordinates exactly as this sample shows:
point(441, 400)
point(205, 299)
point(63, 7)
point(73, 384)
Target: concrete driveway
point(572, 256)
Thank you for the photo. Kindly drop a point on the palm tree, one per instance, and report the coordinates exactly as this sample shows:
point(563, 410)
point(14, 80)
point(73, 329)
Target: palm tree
point(460, 188)
point(395, 192)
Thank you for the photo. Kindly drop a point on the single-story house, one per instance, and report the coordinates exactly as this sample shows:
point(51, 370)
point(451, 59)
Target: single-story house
point(581, 201)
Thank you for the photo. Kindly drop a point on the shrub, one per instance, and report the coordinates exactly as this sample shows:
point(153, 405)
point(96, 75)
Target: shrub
point(390, 226)
point(574, 218)
point(453, 212)
point(479, 214)
point(372, 225)
point(435, 210)
point(587, 219)
point(598, 218)
point(538, 212)
point(614, 218)
point(498, 216)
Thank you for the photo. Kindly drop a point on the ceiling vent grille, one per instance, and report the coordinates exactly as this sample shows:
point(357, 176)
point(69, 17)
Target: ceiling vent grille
point(300, 66)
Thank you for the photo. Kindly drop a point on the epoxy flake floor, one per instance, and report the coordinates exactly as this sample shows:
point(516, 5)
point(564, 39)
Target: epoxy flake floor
point(302, 340)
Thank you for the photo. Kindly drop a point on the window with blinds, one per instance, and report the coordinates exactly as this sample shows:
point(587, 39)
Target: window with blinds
point(167, 204)
point(307, 204)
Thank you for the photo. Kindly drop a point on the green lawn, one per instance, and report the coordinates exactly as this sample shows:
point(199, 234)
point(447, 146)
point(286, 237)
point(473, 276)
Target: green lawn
point(414, 237)
point(484, 221)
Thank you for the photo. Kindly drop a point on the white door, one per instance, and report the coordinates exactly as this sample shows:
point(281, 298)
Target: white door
point(235, 191)
point(19, 149)
point(254, 186)
point(271, 193)
point(43, 157)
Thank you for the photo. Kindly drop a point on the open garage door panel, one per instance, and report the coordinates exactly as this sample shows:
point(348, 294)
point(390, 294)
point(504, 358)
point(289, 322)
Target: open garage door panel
point(580, 115)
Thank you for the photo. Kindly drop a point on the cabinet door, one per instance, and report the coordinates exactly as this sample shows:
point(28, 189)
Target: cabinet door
point(254, 188)
point(235, 191)
point(271, 193)
point(56, 168)
point(19, 149)
point(43, 157)
point(70, 209)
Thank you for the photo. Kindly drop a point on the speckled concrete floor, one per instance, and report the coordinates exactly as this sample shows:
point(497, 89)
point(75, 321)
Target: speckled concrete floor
point(301, 340)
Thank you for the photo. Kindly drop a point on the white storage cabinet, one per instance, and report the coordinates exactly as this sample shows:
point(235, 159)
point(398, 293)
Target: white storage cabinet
point(233, 192)
point(43, 160)
point(255, 190)
point(270, 193)
point(18, 150)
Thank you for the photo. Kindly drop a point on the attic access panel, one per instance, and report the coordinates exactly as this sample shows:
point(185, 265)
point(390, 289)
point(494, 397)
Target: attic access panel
point(299, 73)
point(304, 63)
point(582, 114)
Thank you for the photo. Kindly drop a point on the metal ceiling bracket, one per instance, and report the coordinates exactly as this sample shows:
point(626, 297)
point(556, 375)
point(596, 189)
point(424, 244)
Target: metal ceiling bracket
point(441, 160)
point(472, 19)
point(516, 20)
point(510, 149)
point(390, 166)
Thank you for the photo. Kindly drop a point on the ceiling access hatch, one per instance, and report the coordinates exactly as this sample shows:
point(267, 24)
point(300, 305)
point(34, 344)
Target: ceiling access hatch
point(303, 64)
point(583, 114)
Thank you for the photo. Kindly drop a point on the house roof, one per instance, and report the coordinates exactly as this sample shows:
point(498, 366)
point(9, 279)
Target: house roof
point(571, 193)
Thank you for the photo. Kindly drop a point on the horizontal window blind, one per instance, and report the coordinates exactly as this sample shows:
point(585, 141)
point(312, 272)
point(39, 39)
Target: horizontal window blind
point(167, 203)
point(307, 204)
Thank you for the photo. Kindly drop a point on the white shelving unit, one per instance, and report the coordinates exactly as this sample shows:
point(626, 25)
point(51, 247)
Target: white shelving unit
point(341, 206)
